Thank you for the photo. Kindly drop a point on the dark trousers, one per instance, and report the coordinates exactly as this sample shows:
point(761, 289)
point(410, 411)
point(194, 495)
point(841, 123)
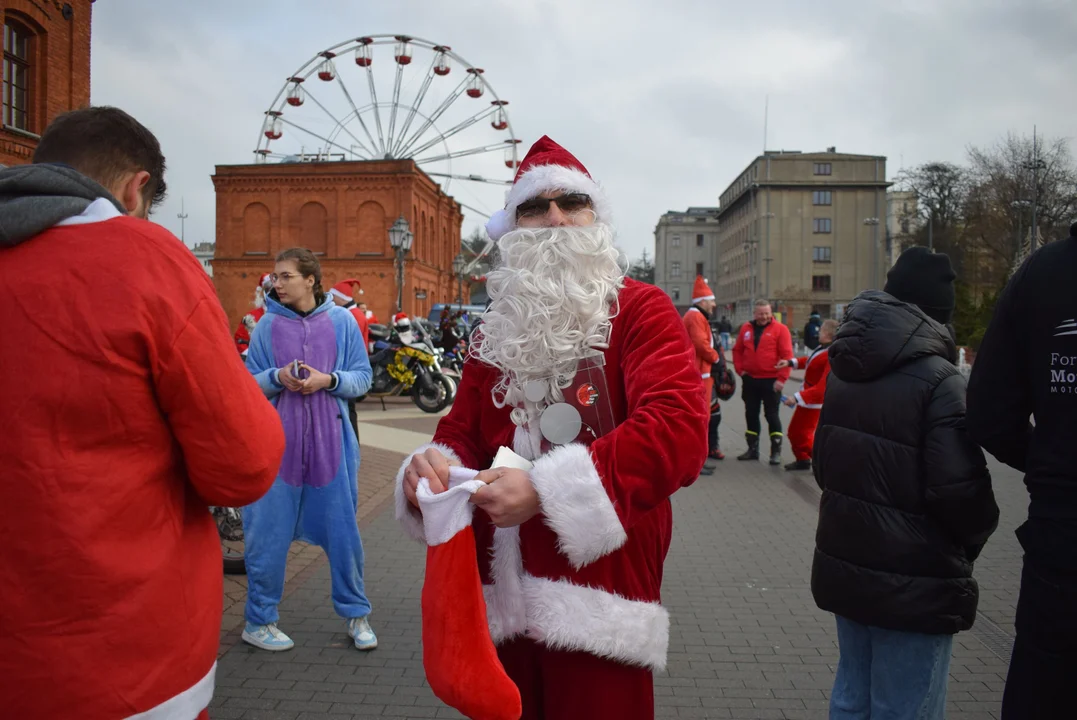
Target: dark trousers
point(712, 429)
point(758, 391)
point(353, 416)
point(1044, 662)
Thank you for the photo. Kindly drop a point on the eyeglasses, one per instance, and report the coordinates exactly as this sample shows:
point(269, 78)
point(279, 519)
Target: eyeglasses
point(570, 204)
point(283, 277)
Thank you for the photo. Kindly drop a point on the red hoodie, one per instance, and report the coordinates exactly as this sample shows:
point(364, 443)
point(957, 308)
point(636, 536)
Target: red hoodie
point(127, 412)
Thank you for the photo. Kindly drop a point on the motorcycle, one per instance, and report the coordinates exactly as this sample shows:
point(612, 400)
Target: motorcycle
point(230, 529)
point(403, 366)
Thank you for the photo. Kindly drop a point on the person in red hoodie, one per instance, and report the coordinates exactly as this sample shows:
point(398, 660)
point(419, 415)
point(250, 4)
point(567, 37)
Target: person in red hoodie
point(128, 413)
point(761, 343)
point(809, 400)
point(342, 296)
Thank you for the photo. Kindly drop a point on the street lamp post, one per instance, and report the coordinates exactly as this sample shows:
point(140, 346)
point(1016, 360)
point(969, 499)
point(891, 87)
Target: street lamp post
point(873, 222)
point(458, 264)
point(400, 239)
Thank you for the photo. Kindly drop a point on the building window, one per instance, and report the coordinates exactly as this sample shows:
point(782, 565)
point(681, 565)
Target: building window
point(820, 225)
point(820, 283)
point(16, 75)
point(676, 241)
point(699, 241)
point(676, 294)
point(820, 254)
point(699, 268)
point(821, 197)
point(675, 270)
point(821, 168)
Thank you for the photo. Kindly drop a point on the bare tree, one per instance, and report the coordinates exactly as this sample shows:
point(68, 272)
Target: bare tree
point(942, 190)
point(1011, 178)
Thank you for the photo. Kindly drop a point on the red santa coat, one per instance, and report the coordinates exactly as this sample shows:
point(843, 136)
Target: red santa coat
point(586, 573)
point(364, 328)
point(246, 327)
point(699, 331)
point(816, 369)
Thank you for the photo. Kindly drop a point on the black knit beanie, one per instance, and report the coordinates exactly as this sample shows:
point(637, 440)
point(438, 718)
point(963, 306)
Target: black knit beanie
point(925, 279)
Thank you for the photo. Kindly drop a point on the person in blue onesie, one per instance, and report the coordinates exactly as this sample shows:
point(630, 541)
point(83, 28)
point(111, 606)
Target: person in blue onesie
point(308, 356)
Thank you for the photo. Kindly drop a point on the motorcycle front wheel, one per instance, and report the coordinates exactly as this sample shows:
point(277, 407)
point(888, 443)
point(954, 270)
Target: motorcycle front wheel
point(433, 397)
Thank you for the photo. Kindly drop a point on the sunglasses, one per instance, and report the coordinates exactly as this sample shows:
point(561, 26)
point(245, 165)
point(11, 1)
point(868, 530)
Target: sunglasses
point(570, 204)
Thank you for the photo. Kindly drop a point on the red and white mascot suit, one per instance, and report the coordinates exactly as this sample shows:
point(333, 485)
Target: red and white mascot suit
point(572, 595)
point(247, 323)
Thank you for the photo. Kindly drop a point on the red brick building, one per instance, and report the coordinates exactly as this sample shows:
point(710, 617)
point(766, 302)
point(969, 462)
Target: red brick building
point(342, 211)
point(46, 69)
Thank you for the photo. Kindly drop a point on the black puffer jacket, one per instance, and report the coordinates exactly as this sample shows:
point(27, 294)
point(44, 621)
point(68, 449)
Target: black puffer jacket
point(907, 502)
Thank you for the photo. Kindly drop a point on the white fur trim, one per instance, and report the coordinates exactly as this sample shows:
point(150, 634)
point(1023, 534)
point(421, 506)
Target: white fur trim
point(447, 513)
point(187, 704)
point(563, 616)
point(700, 299)
point(506, 611)
point(801, 403)
point(337, 293)
point(576, 505)
point(547, 178)
point(407, 515)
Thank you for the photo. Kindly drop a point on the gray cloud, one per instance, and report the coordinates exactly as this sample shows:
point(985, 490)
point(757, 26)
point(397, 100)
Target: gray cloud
point(662, 101)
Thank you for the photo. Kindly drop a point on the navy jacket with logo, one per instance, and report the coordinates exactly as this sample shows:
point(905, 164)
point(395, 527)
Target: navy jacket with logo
point(1027, 366)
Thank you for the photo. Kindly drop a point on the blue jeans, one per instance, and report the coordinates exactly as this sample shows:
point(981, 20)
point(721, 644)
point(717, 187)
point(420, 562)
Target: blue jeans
point(725, 340)
point(889, 674)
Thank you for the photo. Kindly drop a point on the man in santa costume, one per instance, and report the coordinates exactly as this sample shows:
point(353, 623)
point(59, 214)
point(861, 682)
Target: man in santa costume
point(697, 321)
point(343, 296)
point(246, 325)
point(809, 400)
point(570, 552)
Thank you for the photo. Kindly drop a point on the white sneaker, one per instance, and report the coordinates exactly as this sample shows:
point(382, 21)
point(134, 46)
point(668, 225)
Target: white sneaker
point(360, 631)
point(267, 637)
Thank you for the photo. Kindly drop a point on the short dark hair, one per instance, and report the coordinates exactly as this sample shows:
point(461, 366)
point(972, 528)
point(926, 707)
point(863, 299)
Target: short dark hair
point(103, 143)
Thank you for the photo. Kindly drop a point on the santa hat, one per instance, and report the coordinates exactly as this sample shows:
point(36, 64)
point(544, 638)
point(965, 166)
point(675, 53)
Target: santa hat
point(343, 289)
point(547, 167)
point(265, 284)
point(401, 319)
point(701, 290)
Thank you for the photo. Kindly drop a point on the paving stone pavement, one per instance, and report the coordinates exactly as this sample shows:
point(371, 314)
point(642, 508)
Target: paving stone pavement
point(746, 638)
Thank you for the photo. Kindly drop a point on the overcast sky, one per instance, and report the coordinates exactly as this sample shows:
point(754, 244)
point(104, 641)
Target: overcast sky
point(662, 100)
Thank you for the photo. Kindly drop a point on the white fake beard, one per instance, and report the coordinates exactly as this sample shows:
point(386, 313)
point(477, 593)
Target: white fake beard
point(259, 298)
point(552, 301)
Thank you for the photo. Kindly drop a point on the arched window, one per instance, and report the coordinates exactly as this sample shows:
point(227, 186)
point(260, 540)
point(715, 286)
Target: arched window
point(17, 66)
point(372, 233)
point(256, 229)
point(314, 228)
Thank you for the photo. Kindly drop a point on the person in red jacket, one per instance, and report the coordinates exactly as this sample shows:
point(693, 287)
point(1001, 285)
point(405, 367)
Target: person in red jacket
point(809, 400)
point(590, 377)
point(128, 412)
point(761, 343)
point(697, 321)
point(247, 323)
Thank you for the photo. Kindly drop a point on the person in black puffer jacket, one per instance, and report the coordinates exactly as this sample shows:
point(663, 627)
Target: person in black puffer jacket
point(907, 502)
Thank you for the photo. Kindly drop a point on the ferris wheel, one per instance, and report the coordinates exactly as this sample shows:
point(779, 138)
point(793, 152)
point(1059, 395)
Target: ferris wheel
point(396, 97)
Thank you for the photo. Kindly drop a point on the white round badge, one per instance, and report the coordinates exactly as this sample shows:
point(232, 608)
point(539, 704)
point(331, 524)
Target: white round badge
point(535, 390)
point(560, 423)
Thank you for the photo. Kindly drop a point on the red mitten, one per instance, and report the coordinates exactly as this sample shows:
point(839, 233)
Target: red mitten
point(461, 663)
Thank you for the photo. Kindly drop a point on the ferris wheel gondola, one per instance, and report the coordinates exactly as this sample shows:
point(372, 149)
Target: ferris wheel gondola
point(392, 97)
